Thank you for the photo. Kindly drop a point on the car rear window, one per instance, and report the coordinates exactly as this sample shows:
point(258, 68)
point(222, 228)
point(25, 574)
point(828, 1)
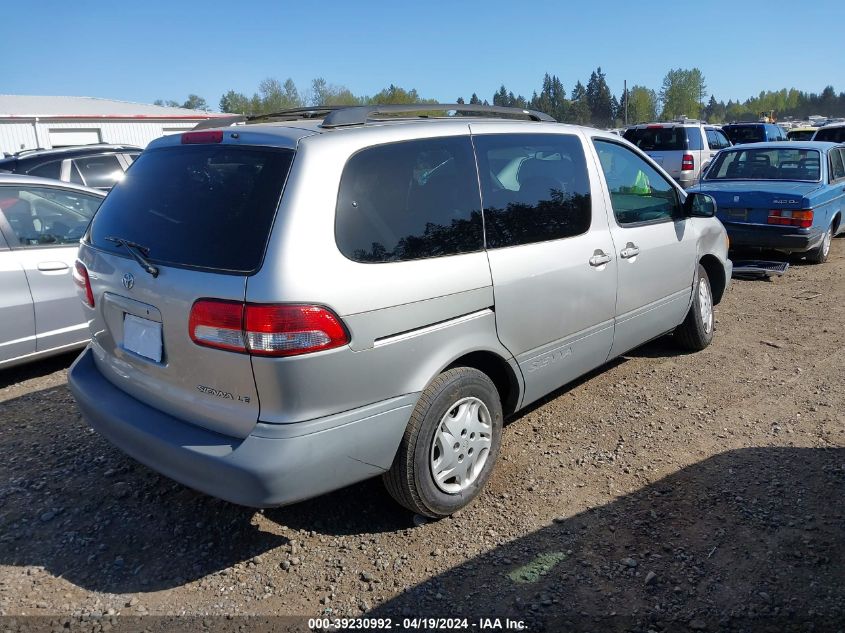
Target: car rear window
point(766, 164)
point(745, 133)
point(207, 206)
point(832, 134)
point(665, 138)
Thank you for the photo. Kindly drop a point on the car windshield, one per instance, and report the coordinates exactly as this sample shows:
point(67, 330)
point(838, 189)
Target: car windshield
point(766, 164)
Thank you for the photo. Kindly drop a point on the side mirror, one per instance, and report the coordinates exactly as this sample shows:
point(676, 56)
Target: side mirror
point(699, 205)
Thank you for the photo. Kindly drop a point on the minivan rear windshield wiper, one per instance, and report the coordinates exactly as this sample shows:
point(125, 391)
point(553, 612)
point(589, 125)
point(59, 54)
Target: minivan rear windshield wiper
point(138, 253)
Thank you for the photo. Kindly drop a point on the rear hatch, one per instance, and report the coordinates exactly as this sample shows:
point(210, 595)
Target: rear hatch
point(199, 216)
point(666, 145)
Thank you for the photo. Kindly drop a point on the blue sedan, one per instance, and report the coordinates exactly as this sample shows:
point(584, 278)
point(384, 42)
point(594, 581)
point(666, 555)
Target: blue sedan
point(787, 196)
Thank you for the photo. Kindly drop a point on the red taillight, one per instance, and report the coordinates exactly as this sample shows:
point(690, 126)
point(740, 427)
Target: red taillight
point(687, 163)
point(785, 217)
point(265, 330)
point(218, 324)
point(654, 127)
point(80, 278)
point(205, 136)
point(287, 330)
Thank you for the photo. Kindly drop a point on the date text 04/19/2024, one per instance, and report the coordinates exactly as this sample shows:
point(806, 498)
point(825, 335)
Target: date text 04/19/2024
point(412, 624)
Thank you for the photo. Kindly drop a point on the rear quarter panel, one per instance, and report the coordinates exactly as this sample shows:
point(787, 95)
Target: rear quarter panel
point(407, 320)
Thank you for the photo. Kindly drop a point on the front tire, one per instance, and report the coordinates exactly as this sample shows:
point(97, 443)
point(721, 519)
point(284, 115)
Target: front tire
point(696, 332)
point(820, 254)
point(450, 445)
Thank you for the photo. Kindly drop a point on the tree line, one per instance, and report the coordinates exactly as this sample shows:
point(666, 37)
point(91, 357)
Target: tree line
point(682, 93)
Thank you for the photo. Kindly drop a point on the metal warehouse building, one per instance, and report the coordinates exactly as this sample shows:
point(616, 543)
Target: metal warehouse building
point(28, 122)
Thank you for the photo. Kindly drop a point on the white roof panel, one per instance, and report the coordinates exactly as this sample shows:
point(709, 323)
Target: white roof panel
point(90, 107)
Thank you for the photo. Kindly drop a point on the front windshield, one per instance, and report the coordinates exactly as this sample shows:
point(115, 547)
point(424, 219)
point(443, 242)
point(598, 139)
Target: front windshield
point(766, 164)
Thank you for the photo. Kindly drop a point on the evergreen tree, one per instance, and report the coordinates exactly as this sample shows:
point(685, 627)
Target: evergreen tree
point(599, 99)
point(579, 109)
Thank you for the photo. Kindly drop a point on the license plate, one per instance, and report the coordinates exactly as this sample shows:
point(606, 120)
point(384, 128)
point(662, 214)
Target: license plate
point(142, 337)
point(736, 214)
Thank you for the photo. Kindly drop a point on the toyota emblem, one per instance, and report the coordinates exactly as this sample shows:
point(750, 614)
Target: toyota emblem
point(128, 281)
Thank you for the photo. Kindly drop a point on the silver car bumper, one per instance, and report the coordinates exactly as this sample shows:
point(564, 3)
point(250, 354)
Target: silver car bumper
point(276, 464)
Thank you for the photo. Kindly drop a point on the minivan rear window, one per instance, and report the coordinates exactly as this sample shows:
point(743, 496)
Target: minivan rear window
point(669, 138)
point(205, 206)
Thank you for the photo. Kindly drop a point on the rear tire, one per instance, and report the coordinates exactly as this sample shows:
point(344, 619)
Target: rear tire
point(820, 254)
point(696, 332)
point(450, 445)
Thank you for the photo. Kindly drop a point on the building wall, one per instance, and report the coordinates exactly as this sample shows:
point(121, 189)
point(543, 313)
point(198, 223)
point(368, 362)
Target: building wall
point(17, 134)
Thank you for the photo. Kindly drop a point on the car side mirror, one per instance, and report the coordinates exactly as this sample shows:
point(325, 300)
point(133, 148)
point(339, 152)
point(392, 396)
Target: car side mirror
point(699, 205)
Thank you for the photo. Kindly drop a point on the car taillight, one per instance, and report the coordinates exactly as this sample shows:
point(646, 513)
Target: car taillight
point(218, 324)
point(81, 279)
point(286, 330)
point(687, 163)
point(205, 136)
point(785, 217)
point(265, 330)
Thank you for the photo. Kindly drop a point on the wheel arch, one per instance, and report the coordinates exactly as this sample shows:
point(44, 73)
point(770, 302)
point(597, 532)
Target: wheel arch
point(499, 371)
point(716, 274)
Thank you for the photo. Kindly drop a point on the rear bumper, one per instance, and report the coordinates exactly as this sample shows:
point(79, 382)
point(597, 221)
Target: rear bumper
point(276, 464)
point(774, 237)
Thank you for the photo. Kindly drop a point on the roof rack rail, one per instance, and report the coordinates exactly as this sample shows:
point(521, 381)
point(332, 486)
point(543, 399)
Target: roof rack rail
point(343, 116)
point(358, 115)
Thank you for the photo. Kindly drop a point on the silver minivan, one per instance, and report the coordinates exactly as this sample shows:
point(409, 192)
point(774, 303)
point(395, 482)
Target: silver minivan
point(299, 301)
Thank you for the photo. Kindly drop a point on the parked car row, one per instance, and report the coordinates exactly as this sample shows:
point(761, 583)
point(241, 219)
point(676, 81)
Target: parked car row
point(295, 302)
point(773, 191)
point(97, 166)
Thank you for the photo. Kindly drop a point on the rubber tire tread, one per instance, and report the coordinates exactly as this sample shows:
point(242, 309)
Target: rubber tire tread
point(691, 334)
point(399, 480)
point(817, 256)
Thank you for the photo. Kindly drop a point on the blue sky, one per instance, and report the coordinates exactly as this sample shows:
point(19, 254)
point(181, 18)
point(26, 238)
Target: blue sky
point(153, 49)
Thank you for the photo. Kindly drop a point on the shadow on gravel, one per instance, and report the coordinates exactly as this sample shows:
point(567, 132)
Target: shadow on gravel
point(75, 505)
point(36, 369)
point(749, 540)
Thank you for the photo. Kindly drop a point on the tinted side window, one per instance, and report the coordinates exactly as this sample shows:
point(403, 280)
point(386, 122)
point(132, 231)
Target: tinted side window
point(712, 140)
point(41, 216)
point(694, 140)
point(47, 170)
point(535, 187)
point(837, 169)
point(723, 140)
point(637, 192)
point(99, 171)
point(410, 200)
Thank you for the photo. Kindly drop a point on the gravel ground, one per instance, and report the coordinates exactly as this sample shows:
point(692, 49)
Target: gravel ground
point(666, 491)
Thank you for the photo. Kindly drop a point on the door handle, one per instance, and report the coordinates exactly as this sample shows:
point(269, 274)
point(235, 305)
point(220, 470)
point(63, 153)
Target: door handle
point(631, 250)
point(46, 267)
point(600, 258)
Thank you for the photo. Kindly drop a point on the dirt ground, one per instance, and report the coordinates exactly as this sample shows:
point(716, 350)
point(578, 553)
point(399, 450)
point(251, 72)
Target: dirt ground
point(664, 492)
